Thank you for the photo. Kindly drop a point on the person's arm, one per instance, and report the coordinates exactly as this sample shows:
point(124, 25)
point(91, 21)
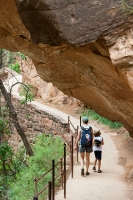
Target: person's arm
point(102, 141)
point(92, 136)
point(77, 140)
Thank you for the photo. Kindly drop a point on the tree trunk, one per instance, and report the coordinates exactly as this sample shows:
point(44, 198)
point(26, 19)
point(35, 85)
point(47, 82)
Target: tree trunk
point(15, 119)
point(1, 63)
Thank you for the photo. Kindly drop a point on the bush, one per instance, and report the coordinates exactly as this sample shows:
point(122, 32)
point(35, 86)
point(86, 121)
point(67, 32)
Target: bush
point(94, 116)
point(15, 67)
point(28, 91)
point(46, 148)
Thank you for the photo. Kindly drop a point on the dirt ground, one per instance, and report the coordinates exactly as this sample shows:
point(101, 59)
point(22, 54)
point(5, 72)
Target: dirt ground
point(121, 138)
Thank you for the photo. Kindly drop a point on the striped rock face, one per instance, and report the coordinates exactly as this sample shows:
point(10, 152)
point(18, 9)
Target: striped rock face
point(83, 47)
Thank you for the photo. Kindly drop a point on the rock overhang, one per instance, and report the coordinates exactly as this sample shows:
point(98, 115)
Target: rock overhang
point(78, 46)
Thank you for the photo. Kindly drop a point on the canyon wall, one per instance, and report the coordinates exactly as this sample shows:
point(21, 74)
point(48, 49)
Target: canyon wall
point(43, 90)
point(83, 47)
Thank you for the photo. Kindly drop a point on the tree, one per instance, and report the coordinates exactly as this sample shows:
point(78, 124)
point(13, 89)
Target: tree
point(12, 112)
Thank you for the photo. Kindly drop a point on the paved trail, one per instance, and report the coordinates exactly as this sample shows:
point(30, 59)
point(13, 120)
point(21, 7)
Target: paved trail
point(105, 186)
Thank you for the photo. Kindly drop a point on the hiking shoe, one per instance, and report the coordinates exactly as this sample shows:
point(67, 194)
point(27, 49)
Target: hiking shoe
point(94, 168)
point(87, 173)
point(99, 171)
point(82, 172)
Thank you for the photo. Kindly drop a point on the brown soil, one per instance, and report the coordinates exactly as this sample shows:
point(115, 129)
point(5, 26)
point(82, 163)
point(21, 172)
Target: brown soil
point(121, 138)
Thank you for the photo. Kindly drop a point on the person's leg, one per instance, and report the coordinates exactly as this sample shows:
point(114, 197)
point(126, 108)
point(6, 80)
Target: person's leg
point(99, 164)
point(82, 159)
point(95, 161)
point(82, 162)
point(99, 161)
point(87, 161)
point(82, 154)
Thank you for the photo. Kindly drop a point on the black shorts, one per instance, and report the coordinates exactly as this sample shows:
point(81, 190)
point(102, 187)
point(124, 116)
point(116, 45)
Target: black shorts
point(98, 154)
point(85, 149)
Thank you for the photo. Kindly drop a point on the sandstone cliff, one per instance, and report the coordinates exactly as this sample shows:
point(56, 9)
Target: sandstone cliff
point(83, 47)
point(43, 90)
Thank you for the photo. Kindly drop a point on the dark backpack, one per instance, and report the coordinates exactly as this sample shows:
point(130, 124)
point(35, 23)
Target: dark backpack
point(97, 143)
point(86, 138)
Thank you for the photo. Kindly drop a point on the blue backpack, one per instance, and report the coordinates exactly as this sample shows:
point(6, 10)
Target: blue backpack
point(86, 138)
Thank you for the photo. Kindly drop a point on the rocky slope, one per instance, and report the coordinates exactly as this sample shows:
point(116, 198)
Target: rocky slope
point(83, 47)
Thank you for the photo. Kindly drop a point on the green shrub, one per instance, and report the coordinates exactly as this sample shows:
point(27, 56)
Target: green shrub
point(15, 67)
point(94, 116)
point(23, 57)
point(28, 92)
point(46, 148)
point(10, 166)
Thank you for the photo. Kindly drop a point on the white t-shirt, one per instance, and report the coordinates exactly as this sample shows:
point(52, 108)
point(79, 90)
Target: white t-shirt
point(95, 148)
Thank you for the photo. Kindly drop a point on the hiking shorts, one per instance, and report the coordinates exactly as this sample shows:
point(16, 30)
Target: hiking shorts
point(85, 149)
point(98, 155)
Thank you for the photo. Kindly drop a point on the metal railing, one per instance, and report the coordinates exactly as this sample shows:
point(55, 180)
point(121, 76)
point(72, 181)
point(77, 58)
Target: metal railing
point(73, 131)
point(50, 187)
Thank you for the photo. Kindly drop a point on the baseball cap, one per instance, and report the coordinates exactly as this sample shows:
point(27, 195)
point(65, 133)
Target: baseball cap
point(85, 119)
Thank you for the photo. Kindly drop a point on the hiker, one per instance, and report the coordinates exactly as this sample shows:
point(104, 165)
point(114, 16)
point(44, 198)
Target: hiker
point(98, 142)
point(84, 148)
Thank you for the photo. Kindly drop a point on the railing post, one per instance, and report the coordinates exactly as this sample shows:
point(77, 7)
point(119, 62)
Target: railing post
point(35, 184)
point(68, 124)
point(49, 190)
point(64, 171)
point(80, 120)
point(35, 198)
point(53, 179)
point(61, 173)
point(77, 144)
point(72, 155)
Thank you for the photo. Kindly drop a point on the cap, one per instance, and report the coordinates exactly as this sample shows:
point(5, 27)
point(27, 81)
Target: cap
point(85, 119)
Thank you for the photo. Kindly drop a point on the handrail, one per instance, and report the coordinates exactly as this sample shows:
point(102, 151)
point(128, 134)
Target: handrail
point(62, 172)
point(51, 185)
point(76, 131)
point(70, 123)
point(37, 194)
point(43, 174)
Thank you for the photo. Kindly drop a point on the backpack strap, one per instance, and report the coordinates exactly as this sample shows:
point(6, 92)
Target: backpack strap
point(83, 128)
point(89, 128)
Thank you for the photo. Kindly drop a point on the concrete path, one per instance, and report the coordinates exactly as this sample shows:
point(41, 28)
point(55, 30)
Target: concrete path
point(105, 186)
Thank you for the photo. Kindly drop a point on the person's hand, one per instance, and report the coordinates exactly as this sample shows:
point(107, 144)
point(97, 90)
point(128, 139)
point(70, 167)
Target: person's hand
point(75, 147)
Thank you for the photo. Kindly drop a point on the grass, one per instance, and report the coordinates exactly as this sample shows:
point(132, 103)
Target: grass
point(94, 116)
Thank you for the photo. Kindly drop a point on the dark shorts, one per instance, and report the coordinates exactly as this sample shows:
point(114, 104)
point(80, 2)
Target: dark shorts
point(85, 149)
point(98, 154)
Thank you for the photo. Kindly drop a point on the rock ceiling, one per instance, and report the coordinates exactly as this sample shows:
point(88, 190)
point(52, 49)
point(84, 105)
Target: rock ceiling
point(85, 48)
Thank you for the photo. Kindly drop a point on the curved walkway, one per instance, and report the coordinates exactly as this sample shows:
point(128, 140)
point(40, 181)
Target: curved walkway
point(107, 185)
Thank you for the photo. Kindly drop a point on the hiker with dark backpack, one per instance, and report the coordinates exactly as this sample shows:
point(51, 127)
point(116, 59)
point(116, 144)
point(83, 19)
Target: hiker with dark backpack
point(98, 142)
point(85, 140)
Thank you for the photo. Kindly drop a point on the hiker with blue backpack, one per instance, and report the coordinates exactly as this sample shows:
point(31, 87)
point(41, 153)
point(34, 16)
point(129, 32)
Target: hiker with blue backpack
point(97, 147)
point(84, 144)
